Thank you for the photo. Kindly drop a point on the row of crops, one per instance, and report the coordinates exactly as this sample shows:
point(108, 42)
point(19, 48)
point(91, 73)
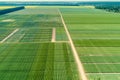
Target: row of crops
point(95, 34)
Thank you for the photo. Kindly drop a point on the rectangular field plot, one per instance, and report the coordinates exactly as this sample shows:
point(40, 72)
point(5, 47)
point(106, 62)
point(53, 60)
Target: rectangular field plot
point(34, 61)
point(89, 16)
point(60, 34)
point(32, 35)
point(97, 43)
point(31, 18)
point(104, 76)
point(101, 62)
point(34, 18)
point(103, 59)
point(102, 68)
point(98, 51)
point(30, 21)
point(37, 35)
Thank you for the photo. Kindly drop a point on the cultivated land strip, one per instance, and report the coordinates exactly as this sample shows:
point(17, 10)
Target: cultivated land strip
point(53, 35)
point(9, 36)
point(82, 74)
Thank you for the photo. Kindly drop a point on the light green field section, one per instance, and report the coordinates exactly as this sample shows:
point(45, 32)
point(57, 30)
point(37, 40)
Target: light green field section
point(96, 36)
point(6, 7)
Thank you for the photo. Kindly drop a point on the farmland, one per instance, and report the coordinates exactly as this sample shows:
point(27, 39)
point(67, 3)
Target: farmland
point(35, 61)
point(95, 34)
point(27, 49)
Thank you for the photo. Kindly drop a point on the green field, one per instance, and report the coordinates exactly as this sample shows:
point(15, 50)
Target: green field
point(96, 35)
point(33, 61)
point(30, 54)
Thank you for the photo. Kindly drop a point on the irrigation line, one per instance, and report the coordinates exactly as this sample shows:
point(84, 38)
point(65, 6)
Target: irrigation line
point(9, 36)
point(82, 74)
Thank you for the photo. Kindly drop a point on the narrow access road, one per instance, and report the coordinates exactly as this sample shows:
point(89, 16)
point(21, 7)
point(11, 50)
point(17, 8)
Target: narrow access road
point(81, 71)
point(53, 35)
point(9, 36)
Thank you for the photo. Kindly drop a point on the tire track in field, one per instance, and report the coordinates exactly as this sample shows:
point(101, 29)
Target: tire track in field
point(9, 35)
point(82, 74)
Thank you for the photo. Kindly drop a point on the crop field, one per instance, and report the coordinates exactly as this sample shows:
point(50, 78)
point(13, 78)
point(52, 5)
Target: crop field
point(96, 35)
point(26, 50)
point(34, 19)
point(35, 45)
point(37, 61)
point(31, 35)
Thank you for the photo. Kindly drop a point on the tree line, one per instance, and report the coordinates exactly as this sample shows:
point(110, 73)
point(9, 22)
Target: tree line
point(5, 11)
point(109, 8)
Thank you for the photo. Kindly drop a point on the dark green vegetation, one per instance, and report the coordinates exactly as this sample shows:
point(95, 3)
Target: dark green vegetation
point(96, 35)
point(29, 53)
point(4, 11)
point(111, 8)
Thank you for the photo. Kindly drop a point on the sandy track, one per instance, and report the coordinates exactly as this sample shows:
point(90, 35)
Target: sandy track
point(9, 36)
point(53, 35)
point(82, 74)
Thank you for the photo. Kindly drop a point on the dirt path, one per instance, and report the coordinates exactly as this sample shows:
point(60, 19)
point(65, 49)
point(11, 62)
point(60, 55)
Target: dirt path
point(53, 35)
point(82, 74)
point(9, 36)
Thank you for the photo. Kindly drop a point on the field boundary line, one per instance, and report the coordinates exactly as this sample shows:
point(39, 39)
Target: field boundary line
point(81, 71)
point(37, 42)
point(103, 73)
point(9, 35)
point(62, 41)
point(102, 63)
point(53, 35)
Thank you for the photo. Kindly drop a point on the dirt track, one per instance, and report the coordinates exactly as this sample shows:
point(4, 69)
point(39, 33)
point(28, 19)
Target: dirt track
point(9, 35)
point(53, 35)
